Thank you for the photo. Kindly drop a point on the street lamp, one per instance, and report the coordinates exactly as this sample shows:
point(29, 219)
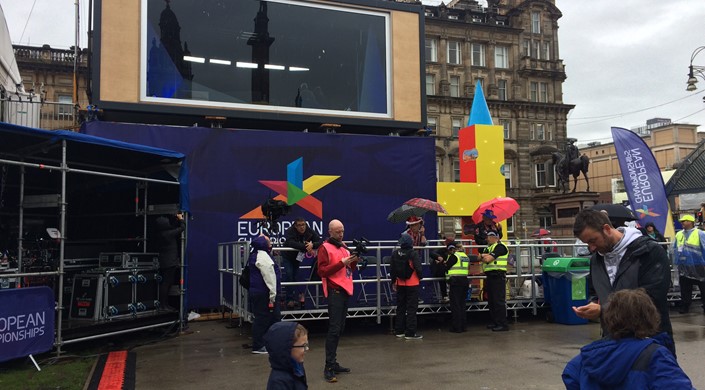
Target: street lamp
point(695, 70)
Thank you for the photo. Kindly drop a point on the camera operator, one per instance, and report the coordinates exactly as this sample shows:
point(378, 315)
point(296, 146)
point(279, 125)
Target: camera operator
point(335, 267)
point(168, 242)
point(305, 240)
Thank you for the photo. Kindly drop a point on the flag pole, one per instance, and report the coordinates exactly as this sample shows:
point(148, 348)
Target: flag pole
point(75, 60)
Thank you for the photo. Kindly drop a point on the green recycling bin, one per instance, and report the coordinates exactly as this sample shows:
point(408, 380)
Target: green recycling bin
point(565, 286)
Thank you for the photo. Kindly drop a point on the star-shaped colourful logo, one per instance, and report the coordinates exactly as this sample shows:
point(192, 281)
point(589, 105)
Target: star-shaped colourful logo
point(645, 210)
point(296, 190)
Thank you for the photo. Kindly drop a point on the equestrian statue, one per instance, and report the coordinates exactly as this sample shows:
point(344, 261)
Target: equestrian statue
point(570, 163)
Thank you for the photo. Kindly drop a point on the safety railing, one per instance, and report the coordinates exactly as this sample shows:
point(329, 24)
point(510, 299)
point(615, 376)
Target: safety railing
point(373, 296)
point(33, 112)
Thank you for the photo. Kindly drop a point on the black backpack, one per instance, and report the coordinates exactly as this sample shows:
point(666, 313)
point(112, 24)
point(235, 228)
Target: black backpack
point(245, 277)
point(400, 265)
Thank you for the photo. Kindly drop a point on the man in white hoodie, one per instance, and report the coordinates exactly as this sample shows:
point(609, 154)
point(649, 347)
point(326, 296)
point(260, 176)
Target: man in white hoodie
point(622, 258)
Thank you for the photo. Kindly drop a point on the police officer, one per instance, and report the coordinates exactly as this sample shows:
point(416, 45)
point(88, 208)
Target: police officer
point(457, 266)
point(689, 248)
point(494, 265)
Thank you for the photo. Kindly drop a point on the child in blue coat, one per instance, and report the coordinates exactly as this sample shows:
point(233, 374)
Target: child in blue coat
point(287, 343)
point(634, 357)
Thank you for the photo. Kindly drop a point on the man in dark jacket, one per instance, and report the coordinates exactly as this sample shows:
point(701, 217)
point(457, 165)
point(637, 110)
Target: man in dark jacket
point(287, 343)
point(168, 235)
point(438, 260)
point(305, 240)
point(622, 259)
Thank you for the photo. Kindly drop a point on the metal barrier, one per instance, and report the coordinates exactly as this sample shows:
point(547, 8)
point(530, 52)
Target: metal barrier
point(33, 112)
point(232, 256)
point(373, 282)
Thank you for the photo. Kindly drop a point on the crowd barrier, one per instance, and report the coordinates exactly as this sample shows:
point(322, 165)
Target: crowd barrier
point(373, 295)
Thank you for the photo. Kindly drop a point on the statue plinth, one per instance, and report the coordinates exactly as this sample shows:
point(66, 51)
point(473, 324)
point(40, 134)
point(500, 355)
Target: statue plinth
point(566, 207)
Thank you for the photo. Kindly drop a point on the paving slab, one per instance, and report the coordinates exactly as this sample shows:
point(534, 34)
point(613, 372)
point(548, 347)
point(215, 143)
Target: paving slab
point(530, 356)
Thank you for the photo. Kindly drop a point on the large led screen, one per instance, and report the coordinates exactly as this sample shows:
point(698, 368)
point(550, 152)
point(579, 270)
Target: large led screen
point(280, 55)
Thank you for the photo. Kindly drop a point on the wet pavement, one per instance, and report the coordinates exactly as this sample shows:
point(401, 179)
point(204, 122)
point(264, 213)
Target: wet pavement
point(530, 356)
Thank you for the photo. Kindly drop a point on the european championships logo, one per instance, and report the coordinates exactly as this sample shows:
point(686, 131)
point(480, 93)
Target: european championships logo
point(296, 190)
point(645, 210)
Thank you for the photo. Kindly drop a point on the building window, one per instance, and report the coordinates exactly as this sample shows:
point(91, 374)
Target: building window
point(508, 175)
point(456, 123)
point(546, 222)
point(535, 50)
point(478, 54)
point(502, 89)
point(543, 92)
point(430, 84)
point(438, 169)
point(454, 52)
point(455, 86)
point(456, 170)
point(527, 48)
point(507, 125)
point(538, 132)
point(431, 50)
point(64, 109)
point(533, 93)
point(547, 50)
point(510, 225)
point(431, 123)
point(501, 57)
point(547, 175)
point(549, 132)
point(536, 22)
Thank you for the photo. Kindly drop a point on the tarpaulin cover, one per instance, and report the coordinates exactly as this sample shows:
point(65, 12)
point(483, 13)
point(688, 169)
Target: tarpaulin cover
point(94, 153)
point(358, 179)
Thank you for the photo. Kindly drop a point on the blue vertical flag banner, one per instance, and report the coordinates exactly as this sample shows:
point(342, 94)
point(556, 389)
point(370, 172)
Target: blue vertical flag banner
point(642, 178)
point(26, 321)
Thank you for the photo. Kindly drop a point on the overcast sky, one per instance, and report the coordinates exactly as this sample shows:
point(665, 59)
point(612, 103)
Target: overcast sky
point(626, 60)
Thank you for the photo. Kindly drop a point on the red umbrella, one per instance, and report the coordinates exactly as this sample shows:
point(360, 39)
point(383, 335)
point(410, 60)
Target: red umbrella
point(426, 204)
point(541, 233)
point(499, 209)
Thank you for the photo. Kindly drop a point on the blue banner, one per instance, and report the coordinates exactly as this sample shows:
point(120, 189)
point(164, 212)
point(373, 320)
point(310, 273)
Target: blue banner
point(26, 321)
point(642, 178)
point(358, 179)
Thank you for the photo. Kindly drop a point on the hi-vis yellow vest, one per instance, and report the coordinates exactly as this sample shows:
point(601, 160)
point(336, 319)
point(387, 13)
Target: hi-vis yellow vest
point(688, 251)
point(499, 264)
point(460, 268)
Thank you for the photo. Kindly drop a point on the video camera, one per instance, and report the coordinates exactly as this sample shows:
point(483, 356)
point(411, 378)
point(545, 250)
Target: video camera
point(273, 209)
point(359, 249)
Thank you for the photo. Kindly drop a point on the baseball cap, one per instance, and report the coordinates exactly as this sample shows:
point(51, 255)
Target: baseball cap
point(492, 234)
point(687, 217)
